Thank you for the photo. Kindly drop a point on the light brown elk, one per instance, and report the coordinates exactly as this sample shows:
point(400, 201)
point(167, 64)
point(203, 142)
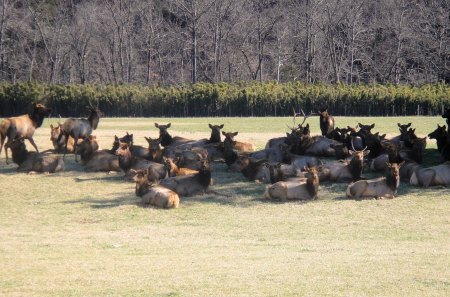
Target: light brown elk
point(34, 161)
point(326, 122)
point(345, 171)
point(136, 150)
point(154, 194)
point(295, 190)
point(94, 160)
point(174, 170)
point(154, 149)
point(59, 146)
point(192, 184)
point(22, 127)
point(432, 176)
point(239, 146)
point(80, 128)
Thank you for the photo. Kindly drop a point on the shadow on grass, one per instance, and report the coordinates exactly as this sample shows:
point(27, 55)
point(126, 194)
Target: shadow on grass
point(121, 200)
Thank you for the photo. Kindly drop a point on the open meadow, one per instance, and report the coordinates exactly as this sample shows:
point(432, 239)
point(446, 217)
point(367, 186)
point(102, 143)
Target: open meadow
point(87, 234)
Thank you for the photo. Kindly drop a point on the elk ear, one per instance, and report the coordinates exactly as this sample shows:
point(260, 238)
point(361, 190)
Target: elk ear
point(398, 124)
point(235, 133)
point(409, 125)
point(148, 139)
point(51, 126)
point(401, 164)
point(389, 165)
point(221, 126)
point(360, 125)
point(169, 124)
point(382, 136)
point(372, 126)
point(156, 125)
point(366, 153)
point(116, 138)
point(223, 133)
point(210, 126)
point(351, 152)
point(443, 127)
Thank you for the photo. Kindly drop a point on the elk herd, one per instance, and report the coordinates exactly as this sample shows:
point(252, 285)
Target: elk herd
point(293, 166)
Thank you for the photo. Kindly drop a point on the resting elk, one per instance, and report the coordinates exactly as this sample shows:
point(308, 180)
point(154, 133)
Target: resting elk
point(326, 122)
point(167, 139)
point(243, 147)
point(346, 170)
point(432, 176)
point(174, 170)
point(154, 194)
point(22, 127)
point(34, 161)
point(136, 150)
point(295, 190)
point(383, 187)
point(215, 133)
point(79, 128)
point(441, 135)
point(188, 185)
point(154, 149)
point(94, 160)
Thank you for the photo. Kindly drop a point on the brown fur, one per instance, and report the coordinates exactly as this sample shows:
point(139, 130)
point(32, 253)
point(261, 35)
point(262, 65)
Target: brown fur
point(34, 161)
point(154, 149)
point(154, 194)
point(59, 146)
point(326, 122)
point(94, 160)
point(383, 187)
point(344, 171)
point(177, 171)
point(239, 146)
point(295, 190)
point(22, 127)
point(215, 133)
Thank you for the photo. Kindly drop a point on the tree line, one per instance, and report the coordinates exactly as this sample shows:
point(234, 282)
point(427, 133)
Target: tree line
point(173, 42)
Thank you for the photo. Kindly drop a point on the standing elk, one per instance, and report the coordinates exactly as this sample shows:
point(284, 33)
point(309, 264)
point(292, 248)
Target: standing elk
point(34, 161)
point(383, 187)
point(432, 176)
point(22, 127)
point(79, 128)
point(326, 122)
point(55, 131)
point(154, 194)
point(295, 190)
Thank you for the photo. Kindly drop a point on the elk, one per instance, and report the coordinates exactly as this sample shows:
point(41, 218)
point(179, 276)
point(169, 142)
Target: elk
point(295, 190)
point(192, 184)
point(154, 194)
point(346, 170)
point(243, 147)
point(383, 187)
point(254, 170)
point(416, 151)
point(446, 115)
point(441, 135)
point(174, 170)
point(167, 139)
point(136, 150)
point(403, 128)
point(326, 122)
point(215, 133)
point(79, 128)
point(127, 162)
point(392, 155)
point(22, 127)
point(432, 176)
point(55, 131)
point(33, 161)
point(407, 170)
point(154, 149)
point(94, 160)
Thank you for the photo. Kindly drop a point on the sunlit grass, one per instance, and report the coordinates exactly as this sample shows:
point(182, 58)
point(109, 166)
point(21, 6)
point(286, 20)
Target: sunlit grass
point(78, 234)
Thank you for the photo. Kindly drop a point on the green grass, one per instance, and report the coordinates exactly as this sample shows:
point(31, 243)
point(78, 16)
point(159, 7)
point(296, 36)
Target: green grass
point(79, 234)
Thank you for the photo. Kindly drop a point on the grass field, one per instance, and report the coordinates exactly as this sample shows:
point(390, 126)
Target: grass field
point(79, 234)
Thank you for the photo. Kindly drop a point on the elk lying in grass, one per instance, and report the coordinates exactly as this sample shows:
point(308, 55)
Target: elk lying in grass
point(346, 170)
point(242, 147)
point(59, 146)
point(192, 184)
point(383, 187)
point(34, 161)
point(432, 176)
point(174, 170)
point(127, 162)
point(79, 128)
point(326, 122)
point(154, 194)
point(295, 190)
point(407, 170)
point(154, 149)
point(136, 150)
point(94, 160)
point(22, 127)
point(252, 169)
point(167, 140)
point(215, 133)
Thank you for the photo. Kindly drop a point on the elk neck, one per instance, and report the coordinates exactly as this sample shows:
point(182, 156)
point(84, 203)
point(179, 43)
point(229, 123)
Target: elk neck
point(215, 137)
point(312, 185)
point(204, 177)
point(125, 159)
point(142, 186)
point(356, 167)
point(93, 120)
point(166, 139)
point(393, 181)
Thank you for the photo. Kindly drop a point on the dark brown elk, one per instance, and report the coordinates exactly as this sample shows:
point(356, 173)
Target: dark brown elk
point(94, 160)
point(326, 122)
point(295, 190)
point(432, 176)
point(80, 128)
point(215, 133)
point(34, 161)
point(230, 154)
point(127, 162)
point(136, 150)
point(416, 151)
point(383, 187)
point(407, 170)
point(441, 135)
point(154, 149)
point(346, 170)
point(22, 127)
point(446, 115)
point(59, 146)
point(189, 185)
point(392, 155)
point(154, 194)
point(167, 139)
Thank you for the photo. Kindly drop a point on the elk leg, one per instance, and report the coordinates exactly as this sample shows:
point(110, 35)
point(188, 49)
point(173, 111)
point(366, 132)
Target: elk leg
point(66, 140)
point(75, 143)
point(33, 144)
point(6, 151)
